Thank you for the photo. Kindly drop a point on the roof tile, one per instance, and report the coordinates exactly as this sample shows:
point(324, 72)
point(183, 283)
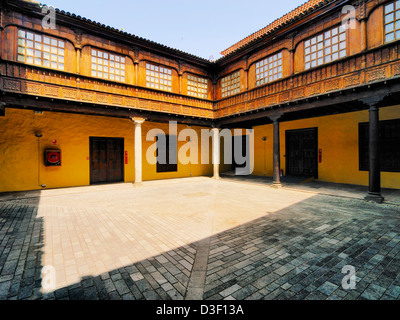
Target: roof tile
point(304, 8)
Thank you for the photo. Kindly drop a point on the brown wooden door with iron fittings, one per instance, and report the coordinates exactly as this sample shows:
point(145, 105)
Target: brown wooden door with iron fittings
point(106, 160)
point(302, 152)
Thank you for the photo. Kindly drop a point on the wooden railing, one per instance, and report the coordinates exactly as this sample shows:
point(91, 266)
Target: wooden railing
point(41, 82)
point(371, 66)
point(375, 65)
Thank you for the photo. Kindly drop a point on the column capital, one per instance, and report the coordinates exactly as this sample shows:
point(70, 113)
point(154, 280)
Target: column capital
point(138, 121)
point(275, 117)
point(373, 101)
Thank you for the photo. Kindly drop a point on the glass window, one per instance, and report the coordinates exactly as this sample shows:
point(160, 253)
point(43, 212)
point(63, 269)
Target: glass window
point(269, 69)
point(40, 50)
point(197, 86)
point(158, 77)
point(392, 21)
point(104, 66)
point(326, 47)
point(230, 84)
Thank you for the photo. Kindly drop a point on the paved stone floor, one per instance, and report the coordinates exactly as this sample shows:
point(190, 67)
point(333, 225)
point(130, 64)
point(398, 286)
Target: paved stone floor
point(196, 239)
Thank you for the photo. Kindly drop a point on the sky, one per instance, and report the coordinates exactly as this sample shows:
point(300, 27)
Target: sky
point(203, 28)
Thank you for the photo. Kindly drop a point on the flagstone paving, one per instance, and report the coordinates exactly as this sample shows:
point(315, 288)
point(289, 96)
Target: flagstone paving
point(196, 239)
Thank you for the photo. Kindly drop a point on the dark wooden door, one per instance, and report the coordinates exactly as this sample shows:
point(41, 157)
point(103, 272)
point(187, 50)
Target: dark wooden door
point(302, 152)
point(106, 160)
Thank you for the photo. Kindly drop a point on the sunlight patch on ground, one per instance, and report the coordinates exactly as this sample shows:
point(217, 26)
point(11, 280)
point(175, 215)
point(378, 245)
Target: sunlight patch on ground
point(91, 233)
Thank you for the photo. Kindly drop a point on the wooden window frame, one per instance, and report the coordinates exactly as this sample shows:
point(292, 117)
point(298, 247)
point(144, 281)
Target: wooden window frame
point(266, 69)
point(230, 84)
point(323, 42)
point(111, 66)
point(197, 86)
point(158, 77)
point(387, 150)
point(395, 13)
point(40, 47)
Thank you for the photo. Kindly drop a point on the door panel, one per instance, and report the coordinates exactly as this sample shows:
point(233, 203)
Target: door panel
point(302, 152)
point(106, 160)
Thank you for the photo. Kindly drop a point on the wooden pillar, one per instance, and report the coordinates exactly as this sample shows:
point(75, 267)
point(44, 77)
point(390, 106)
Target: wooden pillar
point(138, 149)
point(291, 62)
point(216, 152)
point(246, 79)
point(276, 153)
point(374, 193)
point(136, 66)
point(78, 60)
point(364, 35)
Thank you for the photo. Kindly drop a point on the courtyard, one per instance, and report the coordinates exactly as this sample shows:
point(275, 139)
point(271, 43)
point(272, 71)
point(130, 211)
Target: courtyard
point(198, 238)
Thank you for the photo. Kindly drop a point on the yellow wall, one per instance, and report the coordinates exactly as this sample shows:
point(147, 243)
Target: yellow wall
point(338, 139)
point(19, 153)
point(184, 170)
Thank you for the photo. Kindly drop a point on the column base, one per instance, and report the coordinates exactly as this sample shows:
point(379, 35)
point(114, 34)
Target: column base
point(277, 185)
point(216, 177)
point(138, 184)
point(374, 197)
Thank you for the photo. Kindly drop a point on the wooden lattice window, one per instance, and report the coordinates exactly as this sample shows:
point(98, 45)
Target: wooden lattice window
point(40, 50)
point(108, 66)
point(158, 77)
point(269, 69)
point(326, 47)
point(197, 86)
point(230, 84)
point(392, 21)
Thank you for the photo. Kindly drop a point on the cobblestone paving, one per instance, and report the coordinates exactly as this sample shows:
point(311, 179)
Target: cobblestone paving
point(124, 242)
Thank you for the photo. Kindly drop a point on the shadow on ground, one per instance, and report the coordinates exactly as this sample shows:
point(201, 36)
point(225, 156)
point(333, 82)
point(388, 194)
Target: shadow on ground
point(294, 253)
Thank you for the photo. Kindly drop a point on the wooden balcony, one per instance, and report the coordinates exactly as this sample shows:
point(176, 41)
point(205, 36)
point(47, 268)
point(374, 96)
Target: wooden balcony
point(63, 86)
point(358, 71)
point(373, 66)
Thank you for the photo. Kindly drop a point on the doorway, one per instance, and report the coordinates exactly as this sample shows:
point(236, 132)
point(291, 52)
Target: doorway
point(302, 152)
point(106, 160)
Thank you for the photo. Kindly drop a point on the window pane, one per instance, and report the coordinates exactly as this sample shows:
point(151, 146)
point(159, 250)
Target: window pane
point(334, 40)
point(389, 37)
point(269, 68)
point(103, 62)
point(392, 21)
point(389, 8)
point(158, 74)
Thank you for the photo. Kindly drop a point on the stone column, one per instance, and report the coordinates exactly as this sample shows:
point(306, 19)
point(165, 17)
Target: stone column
point(276, 153)
point(216, 152)
point(138, 149)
